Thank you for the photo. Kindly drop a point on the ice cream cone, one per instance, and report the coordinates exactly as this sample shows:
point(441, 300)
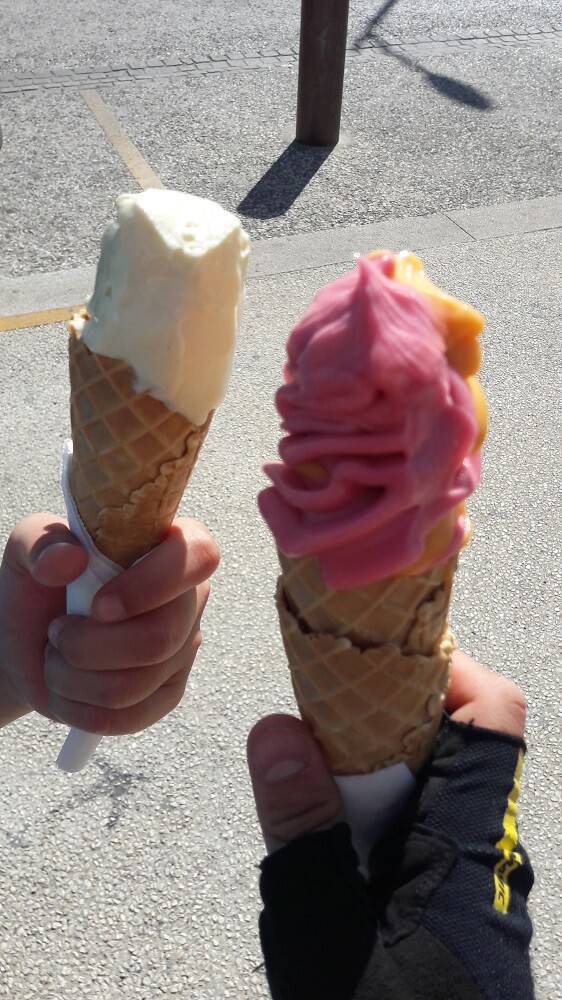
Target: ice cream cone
point(369, 666)
point(132, 456)
point(382, 429)
point(409, 611)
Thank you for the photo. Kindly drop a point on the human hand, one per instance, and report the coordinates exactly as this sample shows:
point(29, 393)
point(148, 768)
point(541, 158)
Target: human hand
point(324, 929)
point(125, 667)
point(293, 789)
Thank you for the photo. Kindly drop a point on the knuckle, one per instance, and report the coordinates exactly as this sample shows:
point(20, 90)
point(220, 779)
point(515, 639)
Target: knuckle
point(51, 667)
point(90, 718)
point(511, 693)
point(71, 644)
point(100, 723)
point(173, 698)
point(203, 592)
point(158, 644)
point(124, 689)
point(191, 649)
point(115, 691)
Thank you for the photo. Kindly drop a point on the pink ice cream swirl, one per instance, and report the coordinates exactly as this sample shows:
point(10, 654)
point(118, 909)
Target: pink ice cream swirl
point(380, 432)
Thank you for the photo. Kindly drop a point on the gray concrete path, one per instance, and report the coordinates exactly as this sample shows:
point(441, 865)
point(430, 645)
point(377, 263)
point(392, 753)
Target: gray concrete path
point(138, 877)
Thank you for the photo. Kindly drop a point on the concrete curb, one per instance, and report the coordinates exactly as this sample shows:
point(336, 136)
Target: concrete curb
point(306, 251)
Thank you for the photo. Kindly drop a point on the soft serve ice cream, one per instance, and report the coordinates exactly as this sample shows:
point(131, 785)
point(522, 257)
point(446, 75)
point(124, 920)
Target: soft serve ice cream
point(166, 298)
point(384, 423)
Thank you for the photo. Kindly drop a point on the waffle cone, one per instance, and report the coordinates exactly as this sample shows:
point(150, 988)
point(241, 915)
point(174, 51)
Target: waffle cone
point(410, 611)
point(369, 667)
point(132, 456)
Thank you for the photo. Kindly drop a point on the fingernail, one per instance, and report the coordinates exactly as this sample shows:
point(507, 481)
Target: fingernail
point(282, 753)
point(110, 608)
point(56, 547)
point(54, 631)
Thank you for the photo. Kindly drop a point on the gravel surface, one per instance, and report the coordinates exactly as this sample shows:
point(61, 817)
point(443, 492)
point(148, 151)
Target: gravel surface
point(137, 878)
point(410, 156)
point(72, 179)
point(139, 29)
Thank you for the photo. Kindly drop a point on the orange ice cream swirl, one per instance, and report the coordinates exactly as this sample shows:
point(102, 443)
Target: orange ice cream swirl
point(460, 325)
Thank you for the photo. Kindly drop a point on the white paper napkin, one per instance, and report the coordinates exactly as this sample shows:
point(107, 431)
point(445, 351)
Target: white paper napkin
point(79, 746)
point(372, 802)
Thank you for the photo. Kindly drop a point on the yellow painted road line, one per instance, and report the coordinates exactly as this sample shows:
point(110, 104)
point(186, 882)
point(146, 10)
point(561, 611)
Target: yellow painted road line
point(126, 149)
point(42, 318)
point(136, 165)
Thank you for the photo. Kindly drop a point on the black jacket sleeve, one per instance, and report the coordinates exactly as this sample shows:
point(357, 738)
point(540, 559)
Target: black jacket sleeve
point(443, 916)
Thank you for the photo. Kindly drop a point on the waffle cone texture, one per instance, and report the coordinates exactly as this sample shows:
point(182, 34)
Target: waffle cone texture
point(369, 666)
point(132, 456)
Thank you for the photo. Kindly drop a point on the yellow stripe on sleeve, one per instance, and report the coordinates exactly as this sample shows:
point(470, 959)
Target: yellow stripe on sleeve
point(511, 858)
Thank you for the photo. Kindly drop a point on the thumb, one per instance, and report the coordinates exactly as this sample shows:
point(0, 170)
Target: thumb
point(294, 791)
point(42, 546)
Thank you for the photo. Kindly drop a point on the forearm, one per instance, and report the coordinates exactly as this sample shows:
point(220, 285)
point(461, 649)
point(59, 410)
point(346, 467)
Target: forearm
point(462, 875)
point(444, 915)
point(493, 876)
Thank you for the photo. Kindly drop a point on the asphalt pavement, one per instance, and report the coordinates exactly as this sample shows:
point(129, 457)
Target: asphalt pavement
point(138, 877)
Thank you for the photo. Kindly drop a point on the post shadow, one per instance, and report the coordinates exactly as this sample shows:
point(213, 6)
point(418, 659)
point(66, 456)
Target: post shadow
point(284, 181)
point(453, 89)
point(457, 90)
point(370, 30)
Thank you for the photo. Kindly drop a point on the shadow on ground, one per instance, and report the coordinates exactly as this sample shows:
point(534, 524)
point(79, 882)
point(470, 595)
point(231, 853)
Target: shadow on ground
point(454, 90)
point(284, 181)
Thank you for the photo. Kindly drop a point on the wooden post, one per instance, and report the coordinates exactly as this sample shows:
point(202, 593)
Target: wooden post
point(321, 68)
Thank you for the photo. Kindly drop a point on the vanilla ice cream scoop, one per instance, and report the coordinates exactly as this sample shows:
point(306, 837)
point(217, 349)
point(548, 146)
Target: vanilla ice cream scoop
point(167, 295)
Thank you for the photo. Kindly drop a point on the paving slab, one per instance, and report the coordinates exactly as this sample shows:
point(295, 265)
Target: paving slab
point(411, 150)
point(38, 292)
point(504, 220)
point(138, 877)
